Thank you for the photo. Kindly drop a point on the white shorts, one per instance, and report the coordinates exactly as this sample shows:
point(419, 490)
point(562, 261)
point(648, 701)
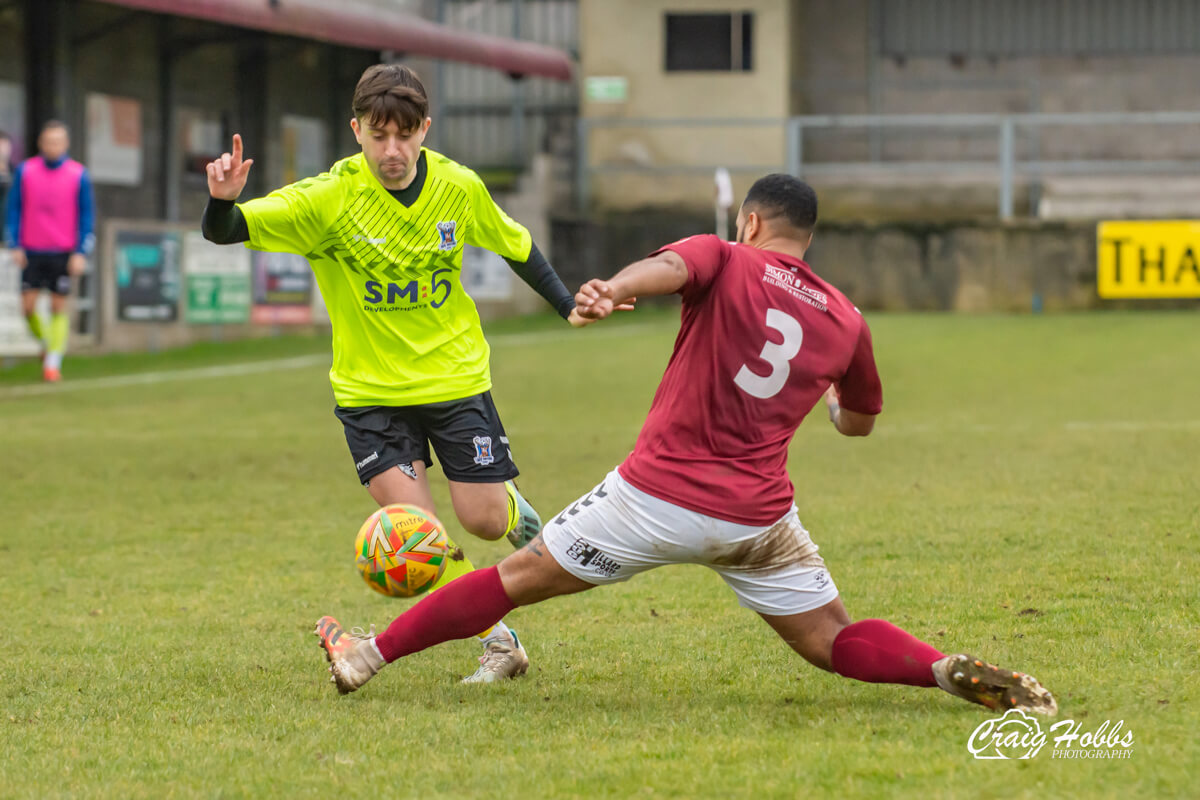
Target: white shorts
point(616, 531)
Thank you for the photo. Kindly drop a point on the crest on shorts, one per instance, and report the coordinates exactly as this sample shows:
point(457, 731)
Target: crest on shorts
point(446, 233)
point(483, 450)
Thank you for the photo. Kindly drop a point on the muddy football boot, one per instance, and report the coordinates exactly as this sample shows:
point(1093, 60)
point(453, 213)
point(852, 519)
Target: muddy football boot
point(353, 657)
point(980, 682)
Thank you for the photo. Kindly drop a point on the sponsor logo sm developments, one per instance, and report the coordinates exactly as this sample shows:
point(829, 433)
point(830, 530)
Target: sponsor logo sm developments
point(1018, 735)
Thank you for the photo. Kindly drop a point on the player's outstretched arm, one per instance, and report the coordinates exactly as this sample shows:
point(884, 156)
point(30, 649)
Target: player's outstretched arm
point(663, 273)
point(541, 277)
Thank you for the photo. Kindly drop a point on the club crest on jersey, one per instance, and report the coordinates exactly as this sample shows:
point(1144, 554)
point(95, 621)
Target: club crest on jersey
point(483, 450)
point(446, 233)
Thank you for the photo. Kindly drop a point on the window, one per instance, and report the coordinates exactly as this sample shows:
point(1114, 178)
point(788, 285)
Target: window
point(709, 42)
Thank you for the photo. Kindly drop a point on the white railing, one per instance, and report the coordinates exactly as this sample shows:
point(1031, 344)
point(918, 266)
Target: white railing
point(1007, 161)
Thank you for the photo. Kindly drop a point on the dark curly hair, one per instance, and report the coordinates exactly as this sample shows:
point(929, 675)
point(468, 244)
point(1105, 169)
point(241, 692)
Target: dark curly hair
point(780, 196)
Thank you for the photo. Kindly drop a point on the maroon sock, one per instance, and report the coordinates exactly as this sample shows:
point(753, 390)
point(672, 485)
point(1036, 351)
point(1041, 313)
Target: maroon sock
point(458, 610)
point(876, 651)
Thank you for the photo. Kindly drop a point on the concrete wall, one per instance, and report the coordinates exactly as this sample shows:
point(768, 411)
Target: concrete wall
point(625, 38)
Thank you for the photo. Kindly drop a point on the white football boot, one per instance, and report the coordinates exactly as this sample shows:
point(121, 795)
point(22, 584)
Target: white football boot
point(503, 657)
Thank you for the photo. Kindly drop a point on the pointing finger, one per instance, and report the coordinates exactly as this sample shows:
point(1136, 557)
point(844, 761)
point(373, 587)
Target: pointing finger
point(237, 146)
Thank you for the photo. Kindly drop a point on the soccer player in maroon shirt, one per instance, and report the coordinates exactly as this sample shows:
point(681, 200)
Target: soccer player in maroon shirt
point(762, 340)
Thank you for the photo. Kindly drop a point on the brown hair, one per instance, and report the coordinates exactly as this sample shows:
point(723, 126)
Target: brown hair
point(390, 93)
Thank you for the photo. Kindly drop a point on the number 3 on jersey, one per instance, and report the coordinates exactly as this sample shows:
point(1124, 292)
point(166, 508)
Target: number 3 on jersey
point(779, 356)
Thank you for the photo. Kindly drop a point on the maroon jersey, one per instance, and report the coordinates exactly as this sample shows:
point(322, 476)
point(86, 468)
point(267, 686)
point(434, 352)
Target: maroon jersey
point(760, 341)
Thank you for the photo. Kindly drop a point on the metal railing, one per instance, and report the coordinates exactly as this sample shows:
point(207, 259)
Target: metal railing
point(585, 169)
point(1012, 156)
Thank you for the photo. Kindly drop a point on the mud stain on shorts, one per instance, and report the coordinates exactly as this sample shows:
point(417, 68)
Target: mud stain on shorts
point(784, 544)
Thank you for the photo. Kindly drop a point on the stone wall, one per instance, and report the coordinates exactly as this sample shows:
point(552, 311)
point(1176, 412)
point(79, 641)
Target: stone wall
point(964, 267)
point(967, 267)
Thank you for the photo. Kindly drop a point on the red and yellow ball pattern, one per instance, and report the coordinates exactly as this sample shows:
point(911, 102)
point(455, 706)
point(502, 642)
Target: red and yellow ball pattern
point(401, 550)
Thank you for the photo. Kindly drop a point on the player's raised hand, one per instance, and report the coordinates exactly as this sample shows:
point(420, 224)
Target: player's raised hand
point(227, 174)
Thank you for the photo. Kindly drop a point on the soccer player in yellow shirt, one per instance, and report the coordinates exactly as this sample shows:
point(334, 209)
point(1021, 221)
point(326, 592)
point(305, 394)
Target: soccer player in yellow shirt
point(384, 232)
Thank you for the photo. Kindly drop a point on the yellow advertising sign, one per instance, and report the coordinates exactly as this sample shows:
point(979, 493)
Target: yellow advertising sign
point(1148, 259)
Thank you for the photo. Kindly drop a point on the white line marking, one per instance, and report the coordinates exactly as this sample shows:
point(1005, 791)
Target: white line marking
point(163, 376)
point(884, 430)
point(1073, 426)
point(280, 364)
point(1132, 426)
point(613, 332)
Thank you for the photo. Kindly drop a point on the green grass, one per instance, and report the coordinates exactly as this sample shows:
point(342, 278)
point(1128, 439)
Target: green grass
point(165, 549)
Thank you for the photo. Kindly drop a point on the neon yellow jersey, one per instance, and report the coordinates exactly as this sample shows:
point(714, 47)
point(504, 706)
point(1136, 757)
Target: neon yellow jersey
point(404, 331)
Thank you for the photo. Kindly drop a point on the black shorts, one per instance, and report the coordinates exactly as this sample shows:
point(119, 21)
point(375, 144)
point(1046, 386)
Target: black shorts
point(46, 271)
point(466, 434)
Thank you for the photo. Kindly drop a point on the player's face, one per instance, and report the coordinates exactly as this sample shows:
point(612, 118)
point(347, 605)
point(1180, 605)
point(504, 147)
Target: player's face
point(391, 153)
point(53, 143)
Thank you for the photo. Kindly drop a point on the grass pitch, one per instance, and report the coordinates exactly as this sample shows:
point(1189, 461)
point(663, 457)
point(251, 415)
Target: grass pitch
point(1031, 494)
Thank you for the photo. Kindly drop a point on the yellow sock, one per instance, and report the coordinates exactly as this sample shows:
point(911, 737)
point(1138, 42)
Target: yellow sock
point(36, 326)
point(60, 327)
point(456, 566)
point(514, 513)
